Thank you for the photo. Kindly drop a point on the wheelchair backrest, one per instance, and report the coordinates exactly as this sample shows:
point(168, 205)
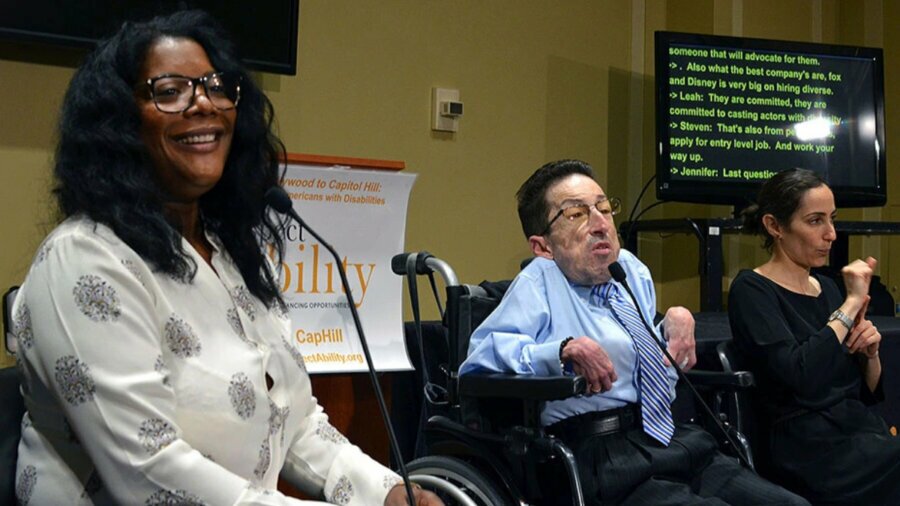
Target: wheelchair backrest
point(10, 429)
point(467, 307)
point(8, 332)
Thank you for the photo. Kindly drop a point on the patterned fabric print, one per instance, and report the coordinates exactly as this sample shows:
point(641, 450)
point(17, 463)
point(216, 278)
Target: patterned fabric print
point(22, 327)
point(260, 490)
point(390, 481)
point(74, 380)
point(235, 321)
point(42, 253)
point(298, 357)
point(265, 459)
point(155, 434)
point(92, 486)
point(96, 299)
point(342, 492)
point(181, 338)
point(173, 498)
point(329, 433)
point(160, 367)
point(242, 299)
point(25, 485)
point(280, 311)
point(277, 416)
point(129, 265)
point(242, 397)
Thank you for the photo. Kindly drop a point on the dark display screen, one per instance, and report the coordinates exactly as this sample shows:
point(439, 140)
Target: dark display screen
point(731, 112)
point(265, 32)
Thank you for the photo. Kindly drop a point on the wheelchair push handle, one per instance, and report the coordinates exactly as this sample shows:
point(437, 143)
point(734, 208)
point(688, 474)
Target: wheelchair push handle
point(425, 263)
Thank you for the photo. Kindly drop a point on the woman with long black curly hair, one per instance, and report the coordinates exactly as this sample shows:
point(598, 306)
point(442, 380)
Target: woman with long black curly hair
point(156, 355)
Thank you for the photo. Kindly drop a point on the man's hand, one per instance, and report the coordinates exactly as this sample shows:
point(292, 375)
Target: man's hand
point(679, 328)
point(590, 360)
point(397, 497)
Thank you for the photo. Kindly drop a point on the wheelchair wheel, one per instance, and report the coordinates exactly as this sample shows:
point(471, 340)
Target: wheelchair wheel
point(455, 481)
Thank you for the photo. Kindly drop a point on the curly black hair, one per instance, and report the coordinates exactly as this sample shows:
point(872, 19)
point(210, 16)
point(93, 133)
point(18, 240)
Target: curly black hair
point(103, 169)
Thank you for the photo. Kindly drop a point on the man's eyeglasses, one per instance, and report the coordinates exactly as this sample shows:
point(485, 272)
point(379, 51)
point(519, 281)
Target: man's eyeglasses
point(173, 93)
point(579, 213)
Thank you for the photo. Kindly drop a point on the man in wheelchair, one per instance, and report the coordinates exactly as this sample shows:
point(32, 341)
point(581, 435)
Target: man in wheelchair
point(564, 315)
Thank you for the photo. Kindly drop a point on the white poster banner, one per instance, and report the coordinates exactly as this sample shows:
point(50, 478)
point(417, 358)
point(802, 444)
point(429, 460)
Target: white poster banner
point(362, 214)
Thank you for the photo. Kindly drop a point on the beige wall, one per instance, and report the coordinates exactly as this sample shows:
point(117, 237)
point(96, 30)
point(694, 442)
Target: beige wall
point(539, 79)
point(534, 79)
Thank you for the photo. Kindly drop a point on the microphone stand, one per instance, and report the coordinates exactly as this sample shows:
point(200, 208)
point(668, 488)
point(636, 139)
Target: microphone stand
point(395, 447)
point(619, 275)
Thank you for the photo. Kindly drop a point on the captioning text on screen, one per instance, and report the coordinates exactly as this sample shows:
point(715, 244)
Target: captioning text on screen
point(742, 115)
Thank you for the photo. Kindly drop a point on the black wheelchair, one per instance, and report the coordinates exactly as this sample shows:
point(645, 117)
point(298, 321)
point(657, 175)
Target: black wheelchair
point(483, 443)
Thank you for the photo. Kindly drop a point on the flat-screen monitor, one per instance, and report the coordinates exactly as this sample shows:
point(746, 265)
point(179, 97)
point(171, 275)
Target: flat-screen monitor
point(265, 32)
point(733, 111)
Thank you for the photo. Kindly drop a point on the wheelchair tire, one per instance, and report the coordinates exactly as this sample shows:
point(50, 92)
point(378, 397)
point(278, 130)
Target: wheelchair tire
point(455, 481)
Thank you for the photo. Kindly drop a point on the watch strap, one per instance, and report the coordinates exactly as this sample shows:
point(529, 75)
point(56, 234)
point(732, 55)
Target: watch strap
point(565, 367)
point(841, 317)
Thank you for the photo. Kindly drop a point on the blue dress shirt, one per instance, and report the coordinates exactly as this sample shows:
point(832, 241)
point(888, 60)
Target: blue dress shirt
point(539, 310)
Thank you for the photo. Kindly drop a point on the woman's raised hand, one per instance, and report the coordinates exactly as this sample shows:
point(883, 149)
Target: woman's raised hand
point(857, 276)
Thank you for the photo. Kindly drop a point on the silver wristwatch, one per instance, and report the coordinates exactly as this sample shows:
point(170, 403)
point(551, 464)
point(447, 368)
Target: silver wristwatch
point(841, 317)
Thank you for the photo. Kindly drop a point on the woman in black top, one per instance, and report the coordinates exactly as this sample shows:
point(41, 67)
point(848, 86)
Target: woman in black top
point(814, 354)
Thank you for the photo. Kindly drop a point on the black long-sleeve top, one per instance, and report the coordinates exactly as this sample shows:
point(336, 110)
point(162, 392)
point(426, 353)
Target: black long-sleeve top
point(784, 338)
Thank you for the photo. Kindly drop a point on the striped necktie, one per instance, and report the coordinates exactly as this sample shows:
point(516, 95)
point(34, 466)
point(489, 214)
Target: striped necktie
point(656, 410)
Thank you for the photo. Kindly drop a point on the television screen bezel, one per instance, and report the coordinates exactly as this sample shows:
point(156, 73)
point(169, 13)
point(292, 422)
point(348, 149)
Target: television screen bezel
point(87, 43)
point(742, 194)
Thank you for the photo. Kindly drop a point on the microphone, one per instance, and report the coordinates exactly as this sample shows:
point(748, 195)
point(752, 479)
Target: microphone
point(618, 274)
point(280, 201)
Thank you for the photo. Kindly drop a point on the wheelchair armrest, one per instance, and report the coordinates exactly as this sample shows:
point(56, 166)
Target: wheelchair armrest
point(517, 386)
point(732, 380)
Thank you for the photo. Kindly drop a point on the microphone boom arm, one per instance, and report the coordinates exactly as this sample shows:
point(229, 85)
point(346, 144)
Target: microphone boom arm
point(620, 277)
point(276, 196)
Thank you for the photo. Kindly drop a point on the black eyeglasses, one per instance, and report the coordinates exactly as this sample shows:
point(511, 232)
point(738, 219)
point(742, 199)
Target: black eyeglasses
point(173, 93)
point(579, 213)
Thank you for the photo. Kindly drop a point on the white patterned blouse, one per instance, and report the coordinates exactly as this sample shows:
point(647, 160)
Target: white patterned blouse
point(144, 389)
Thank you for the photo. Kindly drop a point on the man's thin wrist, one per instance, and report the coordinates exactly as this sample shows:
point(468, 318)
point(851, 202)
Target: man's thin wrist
point(565, 366)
